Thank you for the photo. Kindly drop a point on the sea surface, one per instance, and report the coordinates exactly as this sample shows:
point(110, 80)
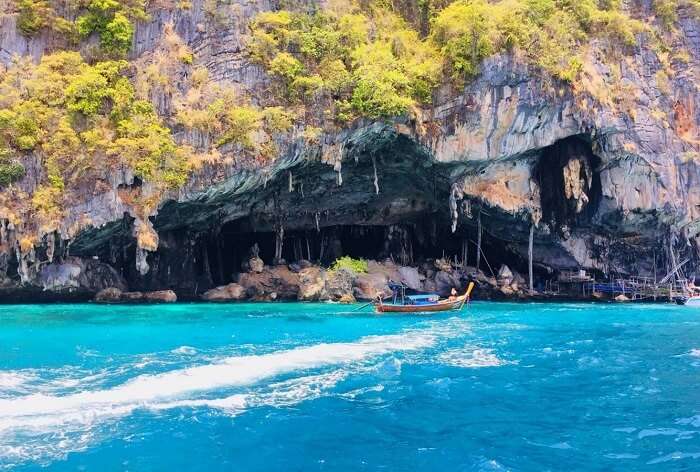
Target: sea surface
point(299, 387)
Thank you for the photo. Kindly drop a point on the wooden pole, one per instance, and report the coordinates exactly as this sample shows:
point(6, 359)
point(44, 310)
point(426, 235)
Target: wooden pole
point(478, 241)
point(465, 253)
point(279, 242)
point(529, 255)
point(220, 259)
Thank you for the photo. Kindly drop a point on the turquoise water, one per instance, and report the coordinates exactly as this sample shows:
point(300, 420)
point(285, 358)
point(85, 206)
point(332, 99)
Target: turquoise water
point(524, 387)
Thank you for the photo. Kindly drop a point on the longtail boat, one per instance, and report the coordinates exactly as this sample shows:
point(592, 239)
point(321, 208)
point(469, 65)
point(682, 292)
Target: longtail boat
point(403, 303)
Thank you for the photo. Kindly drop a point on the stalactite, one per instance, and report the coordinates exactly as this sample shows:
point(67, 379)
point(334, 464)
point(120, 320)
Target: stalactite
point(142, 266)
point(279, 242)
point(454, 214)
point(318, 226)
point(376, 179)
point(467, 209)
point(50, 246)
point(3, 232)
point(25, 266)
point(291, 182)
point(338, 167)
point(308, 249)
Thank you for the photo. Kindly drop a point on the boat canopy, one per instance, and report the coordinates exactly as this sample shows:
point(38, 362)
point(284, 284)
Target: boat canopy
point(423, 299)
point(423, 296)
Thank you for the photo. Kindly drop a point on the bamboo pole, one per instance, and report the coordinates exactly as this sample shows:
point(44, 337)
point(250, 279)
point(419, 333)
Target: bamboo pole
point(529, 255)
point(478, 241)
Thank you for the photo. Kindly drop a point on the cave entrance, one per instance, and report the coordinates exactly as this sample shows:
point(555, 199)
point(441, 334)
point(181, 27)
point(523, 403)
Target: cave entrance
point(413, 243)
point(569, 181)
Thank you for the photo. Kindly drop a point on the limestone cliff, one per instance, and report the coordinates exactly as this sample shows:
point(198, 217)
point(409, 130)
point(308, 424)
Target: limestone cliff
point(606, 168)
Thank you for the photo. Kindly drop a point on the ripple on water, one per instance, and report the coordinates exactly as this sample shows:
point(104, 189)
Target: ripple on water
point(471, 357)
point(674, 456)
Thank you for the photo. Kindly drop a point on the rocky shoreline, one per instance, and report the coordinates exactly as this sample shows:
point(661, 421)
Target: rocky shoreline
point(79, 280)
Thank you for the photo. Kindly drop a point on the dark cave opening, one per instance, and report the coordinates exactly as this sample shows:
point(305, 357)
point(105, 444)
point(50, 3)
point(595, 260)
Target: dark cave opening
point(569, 181)
point(191, 263)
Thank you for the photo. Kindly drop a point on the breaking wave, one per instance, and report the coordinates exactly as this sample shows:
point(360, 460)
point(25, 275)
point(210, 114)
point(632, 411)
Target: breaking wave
point(77, 418)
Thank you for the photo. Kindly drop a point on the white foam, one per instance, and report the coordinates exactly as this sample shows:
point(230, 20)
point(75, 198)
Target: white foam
point(471, 357)
point(186, 350)
point(230, 372)
point(25, 420)
point(14, 379)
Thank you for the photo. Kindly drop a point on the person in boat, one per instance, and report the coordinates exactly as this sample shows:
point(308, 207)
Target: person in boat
point(453, 294)
point(692, 288)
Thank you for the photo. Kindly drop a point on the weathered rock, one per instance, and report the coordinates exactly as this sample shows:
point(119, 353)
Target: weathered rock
point(132, 297)
point(278, 280)
point(411, 277)
point(109, 295)
point(253, 263)
point(256, 265)
point(445, 282)
point(312, 284)
point(304, 264)
point(443, 265)
point(230, 292)
point(505, 276)
point(114, 295)
point(368, 286)
point(347, 298)
point(507, 290)
point(387, 268)
point(78, 273)
point(339, 283)
point(162, 296)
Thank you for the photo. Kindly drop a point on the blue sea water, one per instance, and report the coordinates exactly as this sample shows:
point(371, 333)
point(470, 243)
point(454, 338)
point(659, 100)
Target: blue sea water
point(501, 386)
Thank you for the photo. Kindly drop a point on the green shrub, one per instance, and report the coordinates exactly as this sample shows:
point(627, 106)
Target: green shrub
point(666, 11)
point(148, 146)
point(113, 22)
point(87, 92)
point(358, 266)
point(240, 122)
point(550, 33)
point(10, 172)
point(377, 65)
point(286, 66)
point(116, 35)
point(277, 120)
point(34, 15)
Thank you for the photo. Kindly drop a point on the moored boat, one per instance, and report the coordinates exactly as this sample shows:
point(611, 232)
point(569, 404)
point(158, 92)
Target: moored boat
point(693, 301)
point(403, 303)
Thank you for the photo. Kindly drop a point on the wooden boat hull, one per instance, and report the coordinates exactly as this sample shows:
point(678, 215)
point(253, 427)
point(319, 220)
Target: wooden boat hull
point(448, 305)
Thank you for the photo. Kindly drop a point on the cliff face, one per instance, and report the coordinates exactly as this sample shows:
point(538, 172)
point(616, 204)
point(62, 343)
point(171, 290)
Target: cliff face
point(606, 169)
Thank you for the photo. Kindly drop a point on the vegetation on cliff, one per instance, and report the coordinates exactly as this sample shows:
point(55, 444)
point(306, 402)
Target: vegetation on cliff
point(74, 120)
point(364, 60)
point(84, 122)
